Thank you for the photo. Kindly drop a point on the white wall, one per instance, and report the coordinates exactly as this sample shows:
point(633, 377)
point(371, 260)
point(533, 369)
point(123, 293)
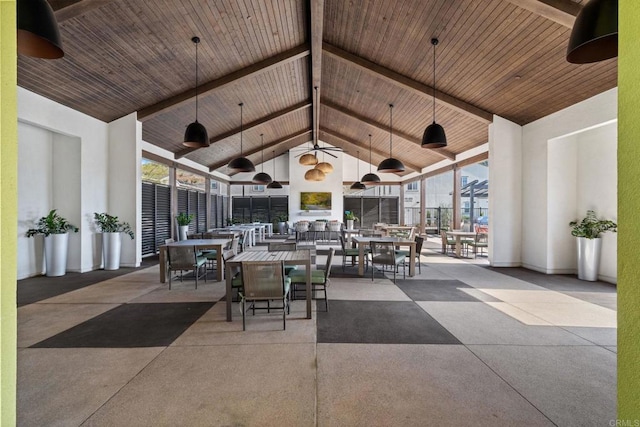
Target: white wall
point(540, 218)
point(332, 184)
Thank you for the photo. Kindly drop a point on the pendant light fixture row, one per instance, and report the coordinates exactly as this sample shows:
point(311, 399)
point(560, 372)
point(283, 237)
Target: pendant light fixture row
point(358, 185)
point(314, 175)
point(196, 134)
point(274, 183)
point(391, 165)
point(241, 164)
point(325, 167)
point(370, 178)
point(594, 36)
point(261, 177)
point(434, 136)
point(38, 34)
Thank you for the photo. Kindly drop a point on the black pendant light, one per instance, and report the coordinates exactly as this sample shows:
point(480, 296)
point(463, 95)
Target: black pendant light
point(38, 34)
point(434, 136)
point(261, 177)
point(391, 165)
point(358, 185)
point(370, 178)
point(241, 164)
point(196, 134)
point(274, 183)
point(595, 33)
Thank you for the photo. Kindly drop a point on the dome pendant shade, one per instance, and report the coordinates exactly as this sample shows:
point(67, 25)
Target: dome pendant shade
point(434, 136)
point(261, 178)
point(241, 164)
point(274, 184)
point(325, 167)
point(370, 179)
point(595, 33)
point(196, 136)
point(314, 175)
point(391, 165)
point(358, 186)
point(38, 34)
point(308, 160)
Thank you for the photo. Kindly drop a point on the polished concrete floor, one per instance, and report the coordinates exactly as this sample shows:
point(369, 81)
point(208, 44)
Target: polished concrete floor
point(458, 344)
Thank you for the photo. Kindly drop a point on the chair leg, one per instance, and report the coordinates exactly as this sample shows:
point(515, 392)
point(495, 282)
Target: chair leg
point(284, 314)
point(243, 313)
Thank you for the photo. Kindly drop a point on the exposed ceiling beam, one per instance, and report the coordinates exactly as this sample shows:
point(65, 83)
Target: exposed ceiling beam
point(235, 77)
point(332, 136)
point(440, 151)
point(408, 83)
point(77, 8)
point(316, 24)
point(563, 12)
point(302, 136)
point(255, 123)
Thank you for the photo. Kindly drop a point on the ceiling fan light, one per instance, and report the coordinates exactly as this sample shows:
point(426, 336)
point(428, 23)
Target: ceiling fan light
point(594, 36)
point(38, 34)
point(370, 179)
point(358, 186)
point(314, 175)
point(308, 160)
point(391, 165)
point(196, 136)
point(274, 185)
point(261, 178)
point(434, 136)
point(325, 167)
point(241, 164)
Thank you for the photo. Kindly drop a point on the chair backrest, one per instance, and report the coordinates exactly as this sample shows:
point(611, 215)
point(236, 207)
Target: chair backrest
point(263, 279)
point(302, 227)
point(384, 252)
point(367, 233)
point(419, 243)
point(443, 235)
point(234, 245)
point(319, 226)
point(167, 241)
point(181, 257)
point(194, 236)
point(327, 267)
point(335, 226)
point(482, 238)
point(282, 246)
point(342, 239)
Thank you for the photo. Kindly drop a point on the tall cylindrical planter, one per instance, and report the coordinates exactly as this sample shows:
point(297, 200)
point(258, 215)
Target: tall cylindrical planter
point(111, 248)
point(182, 232)
point(589, 258)
point(282, 228)
point(350, 224)
point(55, 254)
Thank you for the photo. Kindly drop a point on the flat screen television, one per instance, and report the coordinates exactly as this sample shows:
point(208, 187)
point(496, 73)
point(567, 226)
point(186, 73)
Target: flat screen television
point(315, 201)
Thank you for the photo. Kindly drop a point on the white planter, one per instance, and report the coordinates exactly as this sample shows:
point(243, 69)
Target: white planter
point(589, 258)
point(111, 248)
point(55, 254)
point(350, 224)
point(182, 232)
point(282, 228)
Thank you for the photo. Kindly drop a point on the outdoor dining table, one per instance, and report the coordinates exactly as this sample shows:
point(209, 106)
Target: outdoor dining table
point(300, 257)
point(458, 236)
point(361, 242)
point(200, 244)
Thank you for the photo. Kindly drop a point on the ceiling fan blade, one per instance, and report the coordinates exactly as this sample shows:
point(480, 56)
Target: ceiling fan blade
point(329, 154)
point(331, 149)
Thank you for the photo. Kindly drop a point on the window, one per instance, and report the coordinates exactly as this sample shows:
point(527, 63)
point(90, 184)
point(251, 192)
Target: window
point(466, 207)
point(257, 188)
point(412, 186)
point(214, 185)
point(189, 180)
point(465, 179)
point(155, 172)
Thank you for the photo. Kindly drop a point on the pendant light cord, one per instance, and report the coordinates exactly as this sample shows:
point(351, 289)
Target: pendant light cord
point(390, 130)
point(369, 154)
point(274, 164)
point(434, 42)
point(241, 104)
point(358, 163)
point(262, 151)
point(196, 40)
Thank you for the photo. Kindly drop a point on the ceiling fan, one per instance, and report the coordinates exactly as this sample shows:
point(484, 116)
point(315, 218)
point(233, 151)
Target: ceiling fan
point(316, 147)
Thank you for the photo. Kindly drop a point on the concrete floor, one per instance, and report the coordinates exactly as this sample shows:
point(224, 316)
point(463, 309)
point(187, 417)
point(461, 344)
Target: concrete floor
point(458, 344)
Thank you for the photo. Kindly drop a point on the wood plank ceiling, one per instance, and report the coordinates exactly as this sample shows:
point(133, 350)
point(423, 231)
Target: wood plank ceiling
point(504, 57)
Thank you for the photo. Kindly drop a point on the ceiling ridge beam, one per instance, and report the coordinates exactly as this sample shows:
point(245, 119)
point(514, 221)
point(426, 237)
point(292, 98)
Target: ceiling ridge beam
point(316, 25)
point(78, 8)
point(262, 120)
point(363, 146)
point(443, 152)
point(414, 86)
point(180, 99)
point(288, 138)
point(563, 12)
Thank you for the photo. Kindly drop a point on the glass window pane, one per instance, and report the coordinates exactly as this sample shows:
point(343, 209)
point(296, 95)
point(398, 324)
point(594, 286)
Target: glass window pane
point(155, 172)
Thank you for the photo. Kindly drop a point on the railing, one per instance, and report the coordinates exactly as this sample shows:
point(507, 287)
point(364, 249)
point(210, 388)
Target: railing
point(440, 218)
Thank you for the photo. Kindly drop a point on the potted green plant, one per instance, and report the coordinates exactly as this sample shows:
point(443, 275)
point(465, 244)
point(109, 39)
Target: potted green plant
point(282, 224)
point(183, 219)
point(589, 243)
point(350, 217)
point(111, 228)
point(55, 230)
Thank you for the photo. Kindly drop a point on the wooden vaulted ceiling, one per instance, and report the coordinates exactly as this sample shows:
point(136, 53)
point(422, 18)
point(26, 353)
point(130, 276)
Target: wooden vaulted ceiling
point(504, 57)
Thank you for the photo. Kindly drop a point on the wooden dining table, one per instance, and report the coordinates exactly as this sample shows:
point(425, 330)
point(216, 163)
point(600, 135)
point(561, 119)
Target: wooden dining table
point(458, 235)
point(362, 242)
point(300, 257)
point(200, 244)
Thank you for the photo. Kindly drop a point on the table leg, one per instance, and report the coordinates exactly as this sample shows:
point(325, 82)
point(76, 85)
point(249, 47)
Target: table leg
point(458, 247)
point(163, 264)
point(219, 263)
point(412, 264)
point(308, 288)
point(229, 291)
point(361, 259)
